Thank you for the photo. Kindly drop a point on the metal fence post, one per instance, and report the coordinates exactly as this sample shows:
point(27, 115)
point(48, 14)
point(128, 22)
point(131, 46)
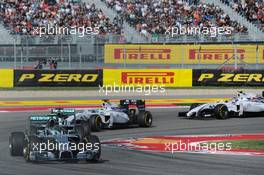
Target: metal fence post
point(257, 56)
point(69, 51)
point(80, 55)
point(183, 57)
point(199, 56)
point(15, 49)
point(21, 56)
point(236, 57)
point(124, 56)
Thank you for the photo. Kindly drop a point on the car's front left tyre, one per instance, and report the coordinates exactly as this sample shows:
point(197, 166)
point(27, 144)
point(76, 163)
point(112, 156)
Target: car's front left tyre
point(96, 123)
point(16, 143)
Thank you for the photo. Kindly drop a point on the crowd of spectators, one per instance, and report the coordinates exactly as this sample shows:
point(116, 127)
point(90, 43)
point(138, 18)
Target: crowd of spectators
point(156, 16)
point(149, 17)
point(253, 10)
point(43, 63)
point(23, 16)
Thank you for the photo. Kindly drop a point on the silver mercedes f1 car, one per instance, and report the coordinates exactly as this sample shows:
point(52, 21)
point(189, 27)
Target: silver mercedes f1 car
point(48, 138)
point(242, 105)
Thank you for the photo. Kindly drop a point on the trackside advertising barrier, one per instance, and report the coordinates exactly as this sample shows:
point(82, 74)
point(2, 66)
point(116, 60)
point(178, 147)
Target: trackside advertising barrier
point(182, 54)
point(228, 78)
point(160, 77)
point(10, 78)
point(6, 78)
point(58, 78)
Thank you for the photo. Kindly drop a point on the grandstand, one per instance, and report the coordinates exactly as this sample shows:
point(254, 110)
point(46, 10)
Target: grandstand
point(117, 21)
point(253, 11)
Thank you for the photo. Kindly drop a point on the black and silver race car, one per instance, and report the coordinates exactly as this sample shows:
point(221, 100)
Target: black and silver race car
point(46, 139)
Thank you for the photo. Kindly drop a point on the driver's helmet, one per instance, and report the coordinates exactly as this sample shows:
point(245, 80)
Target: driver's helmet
point(62, 116)
point(51, 123)
point(109, 106)
point(254, 99)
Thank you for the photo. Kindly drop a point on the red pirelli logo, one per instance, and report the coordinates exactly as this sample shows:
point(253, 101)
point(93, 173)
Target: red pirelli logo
point(148, 77)
point(215, 54)
point(142, 54)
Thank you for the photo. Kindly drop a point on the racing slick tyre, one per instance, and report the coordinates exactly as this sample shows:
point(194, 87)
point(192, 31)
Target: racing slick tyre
point(144, 119)
point(96, 146)
point(16, 143)
point(221, 112)
point(96, 123)
point(83, 128)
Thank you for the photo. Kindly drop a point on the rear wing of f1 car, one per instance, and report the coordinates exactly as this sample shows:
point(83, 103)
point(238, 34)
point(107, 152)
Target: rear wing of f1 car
point(128, 103)
point(61, 111)
point(41, 118)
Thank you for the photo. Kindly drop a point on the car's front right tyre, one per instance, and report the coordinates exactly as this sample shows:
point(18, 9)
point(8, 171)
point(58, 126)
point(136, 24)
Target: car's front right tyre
point(221, 112)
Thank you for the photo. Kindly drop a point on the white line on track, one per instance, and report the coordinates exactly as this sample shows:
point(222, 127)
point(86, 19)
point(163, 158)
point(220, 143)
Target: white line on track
point(153, 107)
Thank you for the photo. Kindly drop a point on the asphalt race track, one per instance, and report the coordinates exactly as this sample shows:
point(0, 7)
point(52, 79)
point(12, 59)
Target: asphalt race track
point(126, 162)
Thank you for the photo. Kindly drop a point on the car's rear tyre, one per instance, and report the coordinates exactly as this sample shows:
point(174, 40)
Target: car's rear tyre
point(221, 112)
point(96, 123)
point(144, 119)
point(16, 143)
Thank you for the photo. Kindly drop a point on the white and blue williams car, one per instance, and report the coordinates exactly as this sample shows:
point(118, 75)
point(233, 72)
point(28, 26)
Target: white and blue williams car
point(242, 105)
point(127, 112)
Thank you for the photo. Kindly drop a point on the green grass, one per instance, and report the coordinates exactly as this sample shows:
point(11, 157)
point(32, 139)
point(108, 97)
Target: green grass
point(248, 144)
point(244, 144)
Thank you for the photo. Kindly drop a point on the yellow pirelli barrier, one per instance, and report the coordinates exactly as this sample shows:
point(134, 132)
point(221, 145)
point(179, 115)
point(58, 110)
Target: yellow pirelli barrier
point(260, 51)
point(141, 54)
point(183, 54)
point(6, 78)
point(132, 77)
point(218, 54)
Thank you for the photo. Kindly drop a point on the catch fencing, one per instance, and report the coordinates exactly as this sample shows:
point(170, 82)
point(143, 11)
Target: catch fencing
point(112, 51)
